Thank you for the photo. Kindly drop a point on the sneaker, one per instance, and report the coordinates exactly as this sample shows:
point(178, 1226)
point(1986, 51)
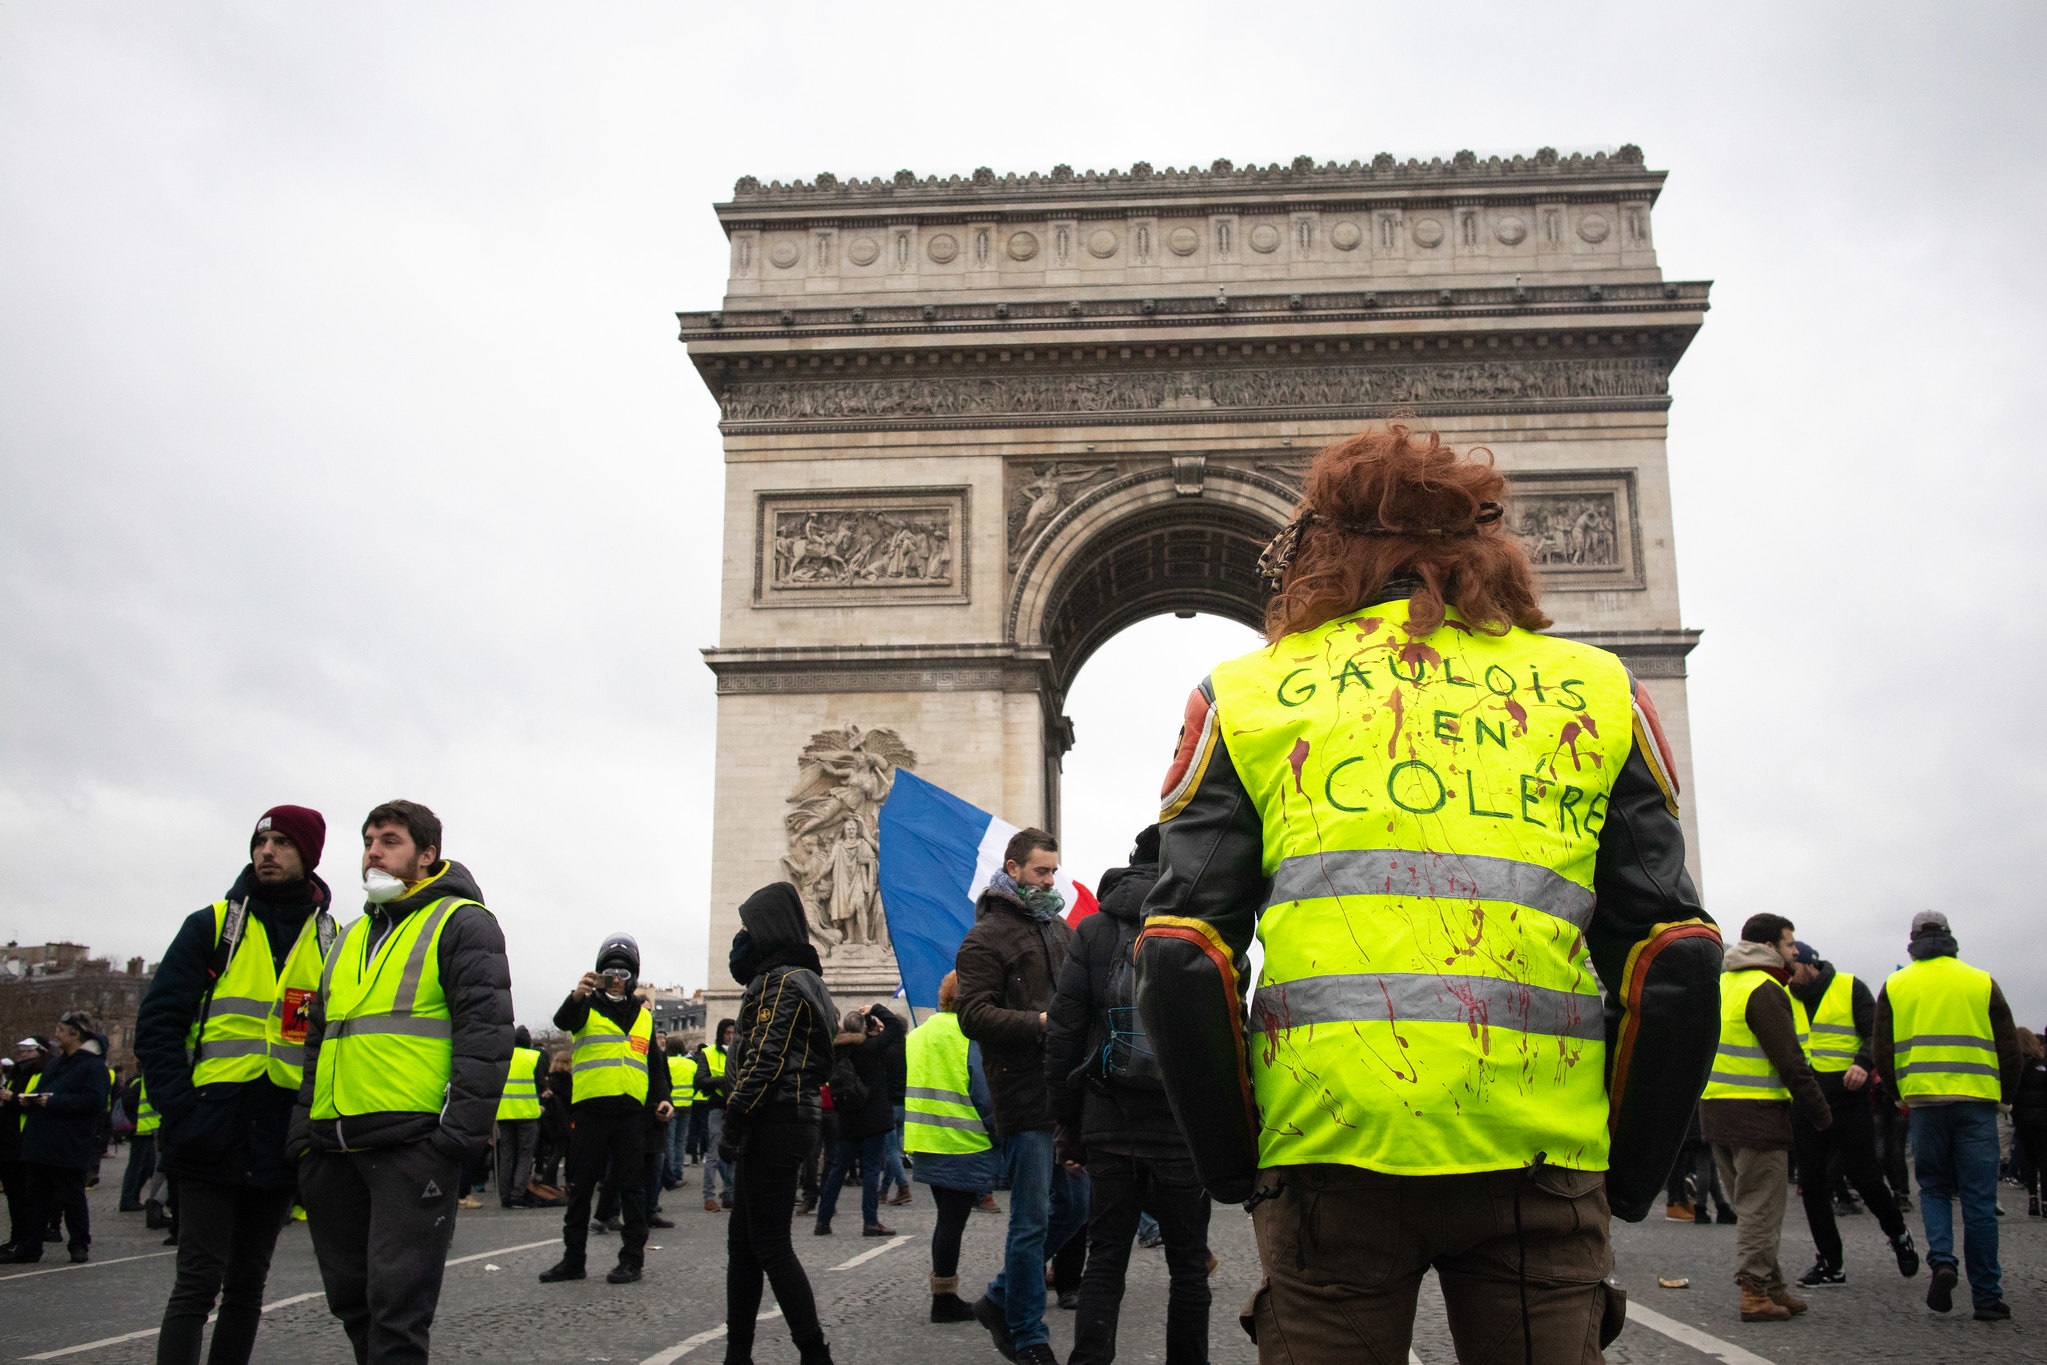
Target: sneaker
point(14, 1255)
point(1907, 1254)
point(623, 1274)
point(1726, 1218)
point(1846, 1208)
point(1703, 1216)
point(1069, 1299)
point(657, 1221)
point(1157, 1239)
point(821, 1230)
point(711, 1206)
point(990, 1315)
point(152, 1215)
point(1997, 1310)
point(562, 1270)
point(807, 1207)
point(725, 1204)
point(468, 1201)
point(79, 1255)
point(987, 1204)
point(902, 1196)
point(876, 1230)
point(1822, 1275)
point(1677, 1211)
point(1041, 1354)
point(1940, 1295)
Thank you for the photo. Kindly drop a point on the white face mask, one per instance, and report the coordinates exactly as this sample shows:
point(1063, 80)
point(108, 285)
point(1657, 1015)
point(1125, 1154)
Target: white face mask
point(379, 886)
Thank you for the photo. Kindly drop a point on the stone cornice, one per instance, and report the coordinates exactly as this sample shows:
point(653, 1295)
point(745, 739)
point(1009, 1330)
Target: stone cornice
point(1464, 173)
point(1207, 309)
point(767, 670)
point(1647, 653)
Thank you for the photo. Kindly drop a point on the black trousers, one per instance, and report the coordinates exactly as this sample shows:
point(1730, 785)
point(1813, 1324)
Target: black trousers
point(141, 1166)
point(2032, 1140)
point(1892, 1142)
point(819, 1161)
point(757, 1240)
point(598, 1138)
point(14, 1175)
point(381, 1223)
point(1853, 1138)
point(54, 1190)
point(226, 1234)
point(1121, 1188)
point(954, 1208)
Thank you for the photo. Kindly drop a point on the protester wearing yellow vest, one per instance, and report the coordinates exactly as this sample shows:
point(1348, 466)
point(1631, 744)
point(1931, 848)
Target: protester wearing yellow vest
point(1840, 1015)
point(1759, 1072)
point(947, 1127)
point(1449, 832)
point(62, 1107)
point(713, 1086)
point(620, 1094)
point(405, 1059)
point(141, 1144)
point(519, 1123)
point(1946, 1043)
point(219, 1037)
point(682, 1087)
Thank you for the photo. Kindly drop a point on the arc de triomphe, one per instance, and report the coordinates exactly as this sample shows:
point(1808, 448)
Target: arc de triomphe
point(974, 426)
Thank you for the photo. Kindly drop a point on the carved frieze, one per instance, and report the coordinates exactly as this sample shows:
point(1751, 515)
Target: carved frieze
point(884, 546)
point(1502, 382)
point(843, 776)
point(1037, 493)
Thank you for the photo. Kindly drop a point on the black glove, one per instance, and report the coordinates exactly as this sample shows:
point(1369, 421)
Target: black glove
point(730, 1139)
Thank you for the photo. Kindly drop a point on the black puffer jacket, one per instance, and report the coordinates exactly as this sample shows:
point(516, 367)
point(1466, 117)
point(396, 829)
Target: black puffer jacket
point(868, 1053)
point(781, 1053)
point(1007, 967)
point(64, 1130)
point(225, 1132)
point(1106, 1114)
point(477, 979)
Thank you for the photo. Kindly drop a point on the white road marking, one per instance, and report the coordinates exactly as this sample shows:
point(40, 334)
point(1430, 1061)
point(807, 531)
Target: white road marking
point(1692, 1337)
point(505, 1251)
point(89, 1265)
point(704, 1338)
point(867, 1256)
point(150, 1332)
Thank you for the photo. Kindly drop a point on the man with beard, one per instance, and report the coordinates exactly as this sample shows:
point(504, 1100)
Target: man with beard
point(406, 1054)
point(220, 1037)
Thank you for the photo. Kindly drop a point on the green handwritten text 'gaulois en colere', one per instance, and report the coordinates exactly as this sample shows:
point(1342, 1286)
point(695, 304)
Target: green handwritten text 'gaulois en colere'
point(1432, 807)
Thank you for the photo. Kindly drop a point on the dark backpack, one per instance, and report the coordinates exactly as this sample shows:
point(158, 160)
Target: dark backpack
point(849, 1092)
point(1126, 1057)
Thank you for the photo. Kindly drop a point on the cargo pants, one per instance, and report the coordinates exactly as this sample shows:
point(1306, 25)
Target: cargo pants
point(1344, 1252)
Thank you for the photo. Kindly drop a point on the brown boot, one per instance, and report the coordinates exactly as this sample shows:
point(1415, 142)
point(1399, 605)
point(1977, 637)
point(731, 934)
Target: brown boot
point(1782, 1296)
point(1678, 1211)
point(1758, 1306)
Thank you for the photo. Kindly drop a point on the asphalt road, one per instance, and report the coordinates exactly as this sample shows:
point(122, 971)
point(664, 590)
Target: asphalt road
point(873, 1298)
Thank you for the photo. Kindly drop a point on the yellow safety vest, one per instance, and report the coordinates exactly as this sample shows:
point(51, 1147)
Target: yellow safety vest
point(682, 1080)
point(1834, 1039)
point(34, 1082)
point(1940, 1028)
point(715, 1056)
point(1741, 1069)
point(521, 1097)
point(147, 1120)
point(255, 1024)
point(388, 1044)
point(1432, 809)
point(938, 1109)
point(610, 1061)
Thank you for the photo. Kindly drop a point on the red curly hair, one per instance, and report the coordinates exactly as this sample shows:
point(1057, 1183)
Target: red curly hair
point(1392, 503)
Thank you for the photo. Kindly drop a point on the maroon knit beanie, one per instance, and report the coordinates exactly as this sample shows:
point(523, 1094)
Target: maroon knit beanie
point(305, 827)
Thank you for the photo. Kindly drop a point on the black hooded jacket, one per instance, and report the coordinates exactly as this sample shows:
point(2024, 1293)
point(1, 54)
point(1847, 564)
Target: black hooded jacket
point(781, 1053)
point(64, 1130)
point(1105, 1114)
point(477, 979)
point(225, 1132)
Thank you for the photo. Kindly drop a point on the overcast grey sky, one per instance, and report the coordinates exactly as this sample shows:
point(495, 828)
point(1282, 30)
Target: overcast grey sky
point(346, 450)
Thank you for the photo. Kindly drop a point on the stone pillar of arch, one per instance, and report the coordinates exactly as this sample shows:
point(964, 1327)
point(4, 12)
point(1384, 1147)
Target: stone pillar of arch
point(974, 426)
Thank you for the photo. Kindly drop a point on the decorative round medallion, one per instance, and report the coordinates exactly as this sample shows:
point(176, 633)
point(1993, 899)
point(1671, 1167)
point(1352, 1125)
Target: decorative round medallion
point(1428, 232)
point(942, 248)
point(863, 251)
point(1181, 241)
point(1022, 246)
point(1511, 230)
point(1593, 228)
point(784, 254)
point(1101, 244)
point(1346, 236)
point(1264, 238)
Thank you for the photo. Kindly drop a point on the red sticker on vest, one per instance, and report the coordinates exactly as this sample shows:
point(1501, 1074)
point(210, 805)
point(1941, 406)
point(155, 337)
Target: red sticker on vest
point(638, 1044)
point(294, 1014)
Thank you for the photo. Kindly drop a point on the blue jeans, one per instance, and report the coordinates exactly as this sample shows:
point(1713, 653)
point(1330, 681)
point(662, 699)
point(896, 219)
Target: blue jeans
point(869, 1151)
point(1954, 1152)
point(892, 1161)
point(1047, 1205)
point(716, 1172)
point(674, 1137)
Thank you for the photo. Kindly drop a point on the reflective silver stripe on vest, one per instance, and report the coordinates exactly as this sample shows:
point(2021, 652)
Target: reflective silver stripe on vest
point(216, 1048)
point(1769, 1082)
point(415, 964)
point(1408, 998)
point(291, 1054)
point(1743, 1050)
point(1945, 1040)
point(389, 1025)
point(1848, 1029)
point(943, 1121)
point(635, 1063)
point(922, 1092)
point(241, 1004)
point(1952, 1068)
point(1443, 876)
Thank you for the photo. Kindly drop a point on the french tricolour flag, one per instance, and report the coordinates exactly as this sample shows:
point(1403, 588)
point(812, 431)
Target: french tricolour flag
point(937, 853)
